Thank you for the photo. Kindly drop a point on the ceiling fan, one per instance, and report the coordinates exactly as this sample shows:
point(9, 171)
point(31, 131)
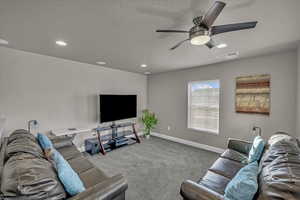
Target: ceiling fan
point(203, 30)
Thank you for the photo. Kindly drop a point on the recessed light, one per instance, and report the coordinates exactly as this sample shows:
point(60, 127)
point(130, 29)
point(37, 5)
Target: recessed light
point(222, 45)
point(232, 55)
point(4, 42)
point(147, 73)
point(61, 43)
point(144, 65)
point(101, 63)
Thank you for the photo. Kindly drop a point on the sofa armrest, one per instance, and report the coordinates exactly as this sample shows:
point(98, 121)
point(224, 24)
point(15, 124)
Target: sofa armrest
point(192, 191)
point(106, 190)
point(239, 145)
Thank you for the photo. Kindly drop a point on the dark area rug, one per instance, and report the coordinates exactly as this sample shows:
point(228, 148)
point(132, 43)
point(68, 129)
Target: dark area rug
point(155, 168)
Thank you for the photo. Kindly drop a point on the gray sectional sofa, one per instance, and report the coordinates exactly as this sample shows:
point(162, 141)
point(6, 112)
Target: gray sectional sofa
point(26, 174)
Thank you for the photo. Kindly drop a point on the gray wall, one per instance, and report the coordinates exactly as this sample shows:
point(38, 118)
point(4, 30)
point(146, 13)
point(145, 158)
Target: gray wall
point(58, 93)
point(167, 96)
point(298, 93)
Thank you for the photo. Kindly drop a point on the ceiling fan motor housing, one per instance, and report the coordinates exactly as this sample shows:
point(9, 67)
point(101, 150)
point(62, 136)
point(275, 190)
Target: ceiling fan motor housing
point(198, 31)
point(197, 20)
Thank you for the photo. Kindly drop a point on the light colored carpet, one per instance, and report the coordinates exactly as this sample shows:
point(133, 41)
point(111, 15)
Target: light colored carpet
point(155, 168)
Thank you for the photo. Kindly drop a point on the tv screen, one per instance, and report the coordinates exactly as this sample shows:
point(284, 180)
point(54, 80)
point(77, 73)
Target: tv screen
point(117, 107)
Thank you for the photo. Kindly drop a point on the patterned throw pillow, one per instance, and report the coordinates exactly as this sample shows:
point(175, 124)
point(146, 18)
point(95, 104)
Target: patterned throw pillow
point(244, 184)
point(256, 149)
point(44, 141)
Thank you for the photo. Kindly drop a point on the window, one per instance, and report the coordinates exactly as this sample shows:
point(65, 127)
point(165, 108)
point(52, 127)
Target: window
point(203, 106)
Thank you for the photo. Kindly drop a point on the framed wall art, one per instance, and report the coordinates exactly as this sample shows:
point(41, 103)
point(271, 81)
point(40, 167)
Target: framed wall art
point(253, 94)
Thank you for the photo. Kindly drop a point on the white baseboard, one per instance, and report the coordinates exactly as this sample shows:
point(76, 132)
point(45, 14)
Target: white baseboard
point(189, 143)
point(140, 133)
point(178, 140)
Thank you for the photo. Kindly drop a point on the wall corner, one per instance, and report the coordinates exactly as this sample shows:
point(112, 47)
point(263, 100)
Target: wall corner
point(298, 92)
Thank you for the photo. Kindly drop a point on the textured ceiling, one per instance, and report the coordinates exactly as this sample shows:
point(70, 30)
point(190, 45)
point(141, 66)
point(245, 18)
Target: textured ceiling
point(122, 32)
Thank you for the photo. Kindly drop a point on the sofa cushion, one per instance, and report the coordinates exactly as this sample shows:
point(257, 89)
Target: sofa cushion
point(80, 164)
point(282, 147)
point(226, 167)
point(21, 133)
point(27, 175)
point(282, 137)
point(278, 149)
point(69, 152)
point(235, 156)
point(215, 182)
point(92, 176)
point(62, 141)
point(23, 141)
point(244, 184)
point(69, 178)
point(280, 172)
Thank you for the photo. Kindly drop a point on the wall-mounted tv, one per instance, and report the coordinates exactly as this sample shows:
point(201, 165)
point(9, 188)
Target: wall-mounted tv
point(117, 107)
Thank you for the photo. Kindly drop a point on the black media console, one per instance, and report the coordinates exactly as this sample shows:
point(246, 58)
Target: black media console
point(116, 139)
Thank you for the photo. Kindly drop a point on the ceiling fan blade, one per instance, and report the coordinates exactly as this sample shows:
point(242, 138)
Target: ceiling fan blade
point(178, 44)
point(211, 44)
point(232, 27)
point(212, 14)
point(171, 31)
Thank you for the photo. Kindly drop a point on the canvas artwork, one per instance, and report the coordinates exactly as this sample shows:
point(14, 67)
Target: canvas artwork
point(253, 94)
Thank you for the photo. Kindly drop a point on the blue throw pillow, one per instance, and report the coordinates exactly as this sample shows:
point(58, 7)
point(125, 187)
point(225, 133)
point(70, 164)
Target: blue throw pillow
point(44, 141)
point(244, 185)
point(256, 149)
point(68, 177)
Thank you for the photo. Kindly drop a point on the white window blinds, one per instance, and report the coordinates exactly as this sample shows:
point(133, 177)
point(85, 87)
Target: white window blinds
point(203, 105)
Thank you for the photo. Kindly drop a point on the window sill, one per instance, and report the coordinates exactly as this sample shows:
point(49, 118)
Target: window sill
point(205, 130)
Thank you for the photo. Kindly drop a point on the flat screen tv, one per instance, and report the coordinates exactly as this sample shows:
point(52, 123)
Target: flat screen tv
point(117, 107)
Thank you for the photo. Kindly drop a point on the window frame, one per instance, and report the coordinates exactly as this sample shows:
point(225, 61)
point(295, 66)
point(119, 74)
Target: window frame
point(189, 106)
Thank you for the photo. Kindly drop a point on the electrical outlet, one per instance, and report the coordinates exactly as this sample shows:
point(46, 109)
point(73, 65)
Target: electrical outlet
point(256, 130)
point(169, 128)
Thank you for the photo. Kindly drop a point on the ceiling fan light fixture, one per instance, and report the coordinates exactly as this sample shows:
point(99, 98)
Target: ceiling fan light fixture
point(199, 35)
point(200, 40)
